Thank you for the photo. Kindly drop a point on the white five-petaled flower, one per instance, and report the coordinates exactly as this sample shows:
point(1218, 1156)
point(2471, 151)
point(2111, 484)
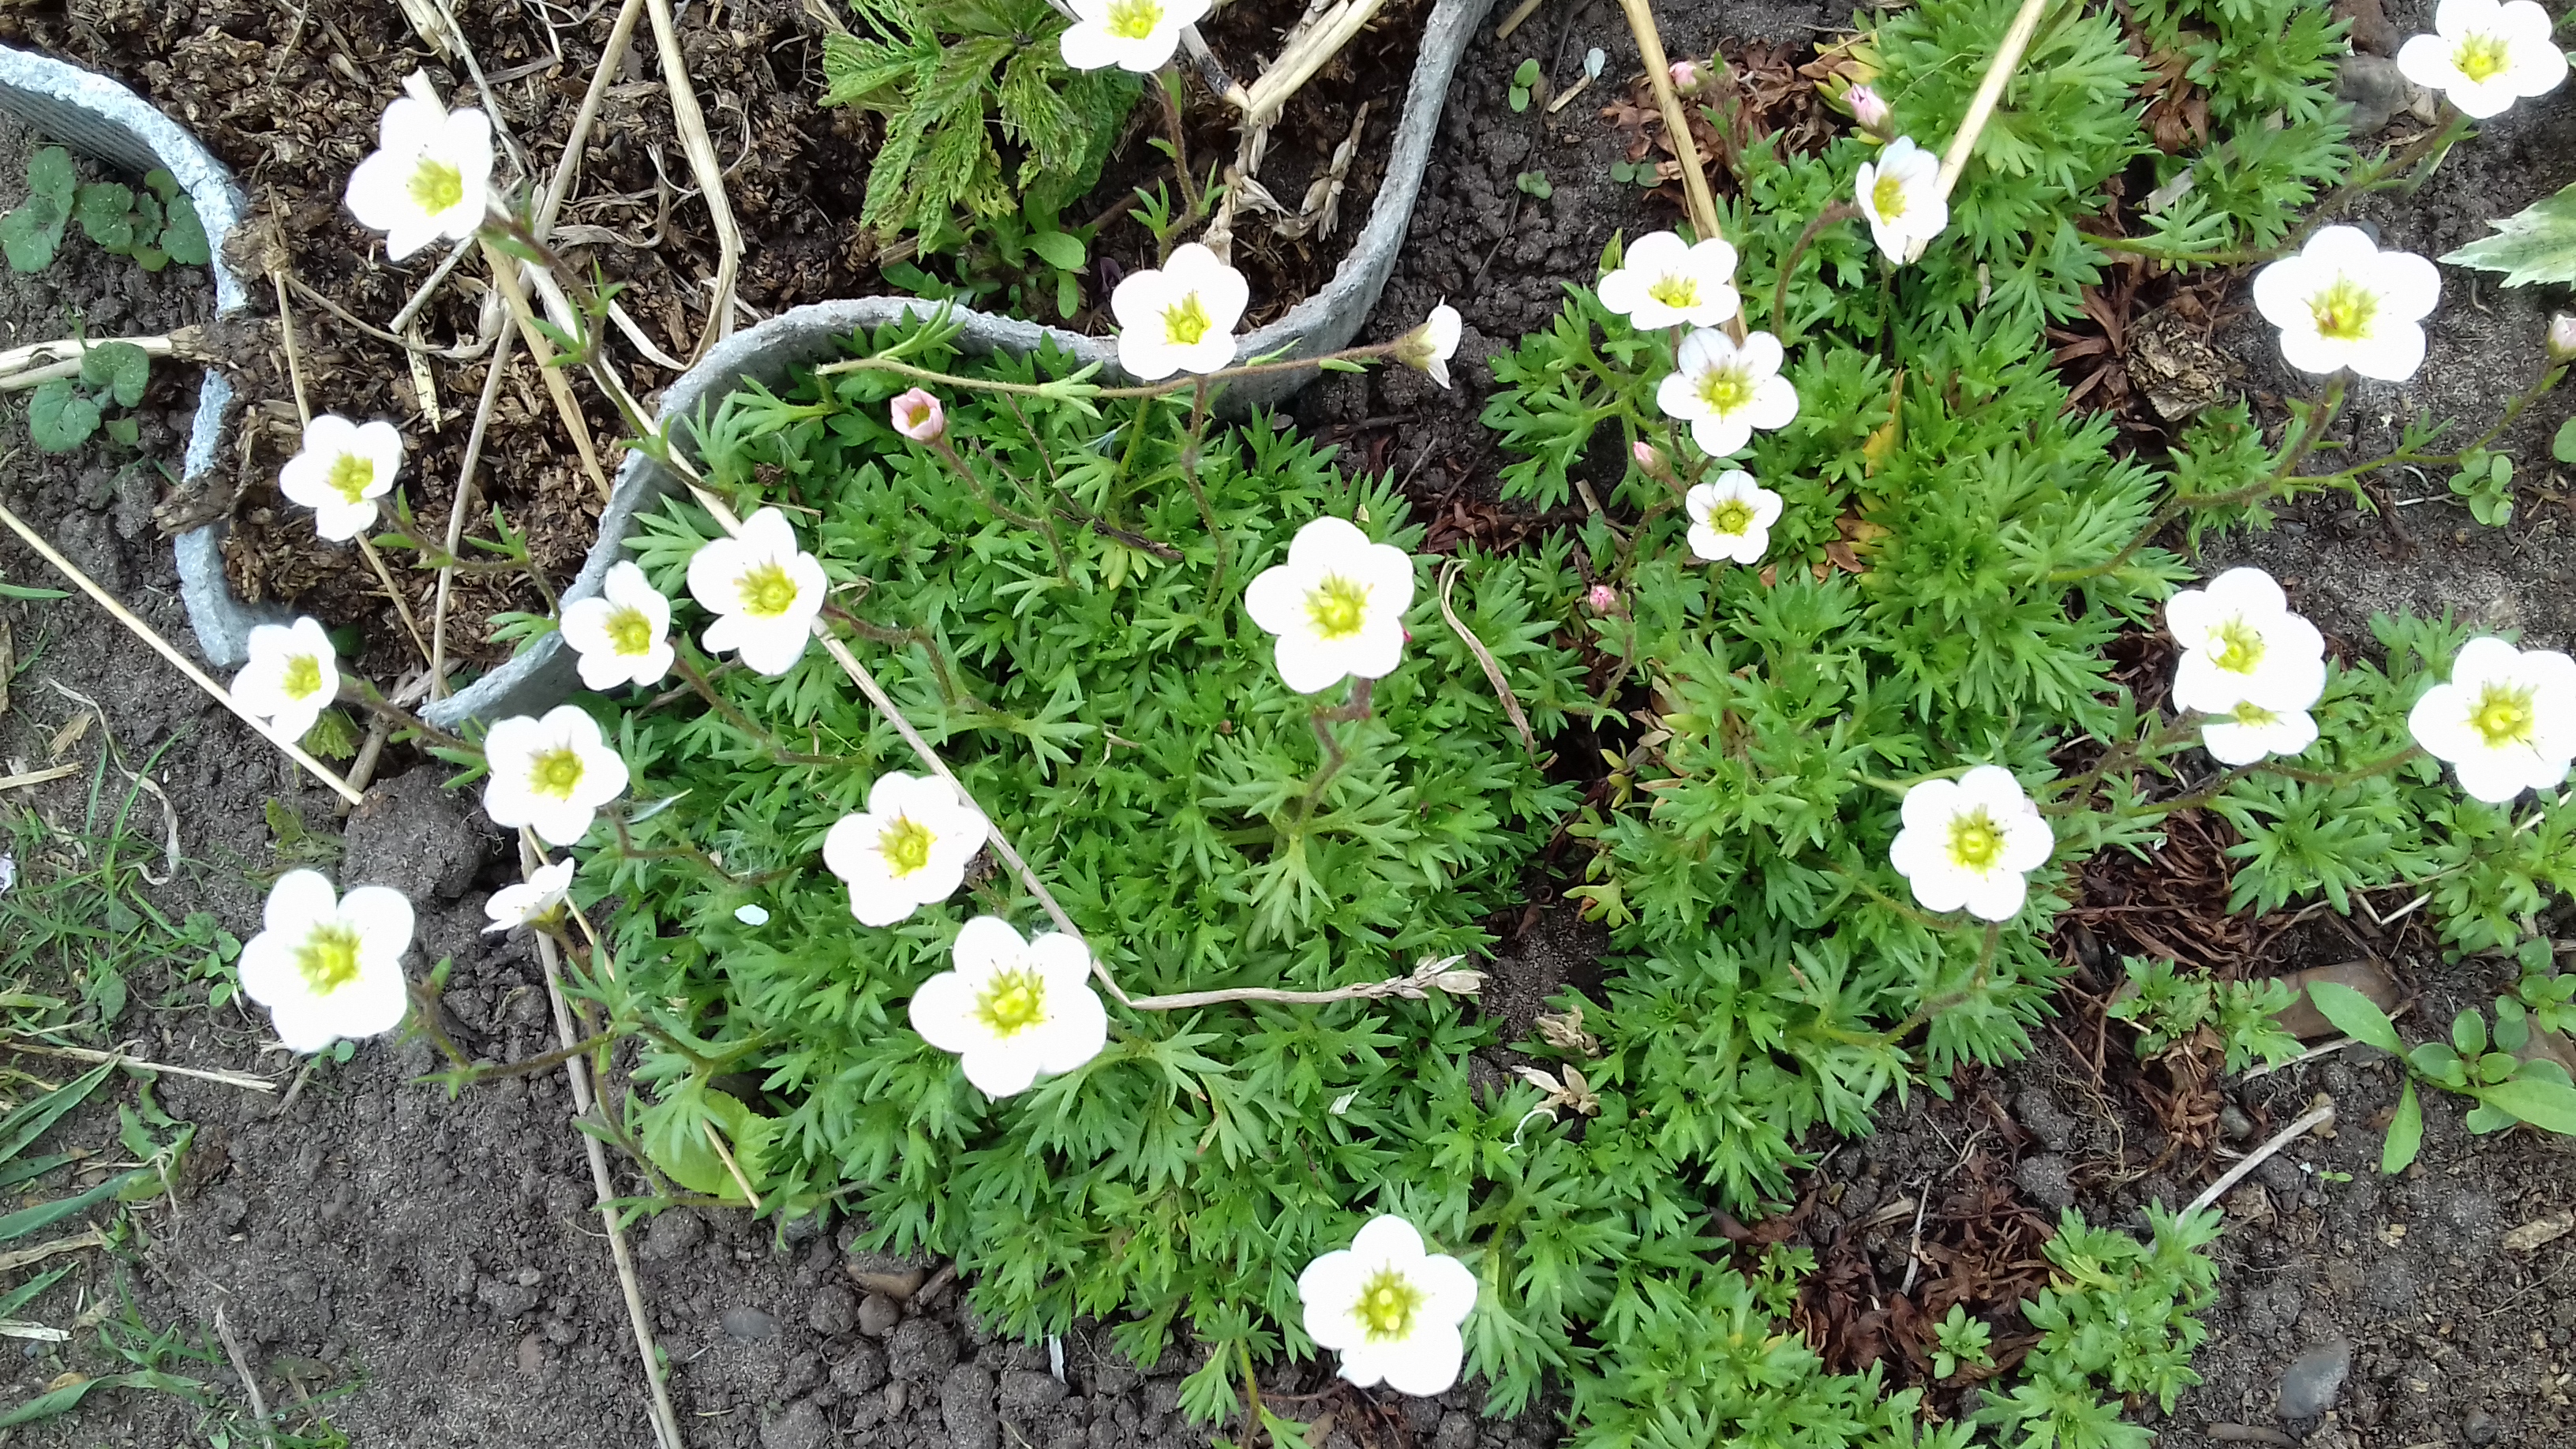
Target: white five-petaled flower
point(340, 471)
point(1971, 842)
point(1900, 194)
point(430, 176)
point(531, 900)
point(328, 966)
point(1181, 317)
point(2241, 644)
point(2249, 732)
point(1137, 35)
point(1731, 518)
point(2483, 56)
point(2342, 302)
point(1012, 1008)
point(1337, 606)
point(1390, 1308)
point(292, 675)
point(1664, 281)
point(763, 590)
point(622, 633)
point(2506, 720)
point(551, 774)
point(1429, 347)
point(1725, 391)
point(907, 850)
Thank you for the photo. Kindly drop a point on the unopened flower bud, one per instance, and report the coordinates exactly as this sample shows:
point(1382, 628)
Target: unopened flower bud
point(918, 416)
point(1429, 347)
point(1868, 108)
point(2562, 339)
point(1687, 78)
point(1601, 599)
point(1460, 983)
point(1650, 460)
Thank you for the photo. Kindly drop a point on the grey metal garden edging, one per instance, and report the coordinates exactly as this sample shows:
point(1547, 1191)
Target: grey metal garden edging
point(1324, 322)
point(87, 111)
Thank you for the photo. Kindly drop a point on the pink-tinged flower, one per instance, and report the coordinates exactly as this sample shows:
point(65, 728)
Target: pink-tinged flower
point(1868, 108)
point(1601, 599)
point(918, 416)
point(2562, 339)
point(1686, 77)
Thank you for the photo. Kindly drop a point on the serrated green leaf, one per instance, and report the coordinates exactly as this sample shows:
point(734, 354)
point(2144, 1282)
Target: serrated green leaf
point(183, 235)
point(106, 212)
point(31, 234)
point(121, 368)
point(49, 173)
point(59, 418)
point(2535, 244)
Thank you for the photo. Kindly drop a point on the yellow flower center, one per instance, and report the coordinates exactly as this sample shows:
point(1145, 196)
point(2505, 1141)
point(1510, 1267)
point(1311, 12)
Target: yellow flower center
point(2344, 310)
point(1013, 1002)
point(2503, 716)
point(905, 846)
point(1388, 1303)
point(766, 590)
point(1887, 198)
point(2247, 712)
point(1725, 388)
point(303, 677)
point(1975, 843)
point(2481, 57)
point(2240, 647)
point(1185, 321)
point(629, 632)
point(351, 476)
point(555, 773)
point(328, 959)
point(1336, 608)
point(436, 186)
point(1676, 292)
point(1731, 516)
point(1134, 19)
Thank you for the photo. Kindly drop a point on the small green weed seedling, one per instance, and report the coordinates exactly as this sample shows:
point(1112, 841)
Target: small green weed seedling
point(2485, 483)
point(2509, 1083)
point(1524, 82)
point(155, 226)
point(65, 412)
point(2168, 1008)
point(1960, 1340)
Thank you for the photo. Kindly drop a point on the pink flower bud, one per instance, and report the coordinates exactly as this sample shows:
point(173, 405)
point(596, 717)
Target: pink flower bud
point(1645, 454)
point(1686, 77)
point(918, 416)
point(2562, 339)
point(1601, 599)
point(1868, 108)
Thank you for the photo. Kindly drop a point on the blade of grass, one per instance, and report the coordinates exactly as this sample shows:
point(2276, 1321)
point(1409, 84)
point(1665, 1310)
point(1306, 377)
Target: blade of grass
point(45, 1214)
point(25, 1293)
point(20, 1129)
point(68, 1397)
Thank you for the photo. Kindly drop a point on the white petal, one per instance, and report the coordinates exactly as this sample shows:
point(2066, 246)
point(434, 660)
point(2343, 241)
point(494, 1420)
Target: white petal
point(1997, 896)
point(1001, 1069)
point(1426, 1363)
point(383, 918)
point(1449, 1288)
point(1387, 1238)
point(943, 1013)
point(1088, 46)
point(2391, 353)
point(1077, 1028)
point(1276, 600)
point(984, 946)
point(1307, 664)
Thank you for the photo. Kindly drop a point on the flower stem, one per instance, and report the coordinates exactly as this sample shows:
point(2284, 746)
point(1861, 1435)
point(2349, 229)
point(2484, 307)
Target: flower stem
point(364, 694)
point(1334, 758)
point(1839, 211)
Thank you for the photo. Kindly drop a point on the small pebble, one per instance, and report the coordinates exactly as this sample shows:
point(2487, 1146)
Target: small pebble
point(2313, 1379)
point(878, 1315)
point(2233, 1124)
point(749, 1325)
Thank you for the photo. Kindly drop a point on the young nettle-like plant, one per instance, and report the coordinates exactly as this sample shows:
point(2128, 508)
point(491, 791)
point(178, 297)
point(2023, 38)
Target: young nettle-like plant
point(65, 412)
point(155, 226)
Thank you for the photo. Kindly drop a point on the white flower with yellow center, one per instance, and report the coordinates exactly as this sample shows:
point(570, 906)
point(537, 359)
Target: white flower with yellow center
point(551, 774)
point(1663, 281)
point(2249, 732)
point(1970, 842)
point(293, 674)
point(430, 177)
point(1137, 35)
point(1337, 606)
point(340, 471)
point(2506, 720)
point(909, 849)
point(1179, 318)
point(1900, 194)
point(1725, 391)
point(2483, 56)
point(622, 633)
point(2241, 644)
point(2342, 302)
point(1730, 519)
point(1390, 1308)
point(531, 901)
point(763, 590)
point(328, 966)
point(1013, 1008)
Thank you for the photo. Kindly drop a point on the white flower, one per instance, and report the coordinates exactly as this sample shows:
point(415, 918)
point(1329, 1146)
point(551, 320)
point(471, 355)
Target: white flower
point(908, 850)
point(1181, 318)
point(1012, 1008)
point(2342, 302)
point(1337, 606)
point(328, 966)
point(1390, 1309)
point(2484, 56)
point(1666, 282)
point(1137, 35)
point(550, 775)
point(1731, 518)
point(340, 471)
point(292, 674)
point(1900, 193)
point(763, 590)
point(2241, 644)
point(1429, 347)
point(622, 633)
point(751, 914)
point(430, 176)
point(532, 900)
point(1969, 842)
point(2249, 732)
point(1725, 391)
point(2506, 721)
